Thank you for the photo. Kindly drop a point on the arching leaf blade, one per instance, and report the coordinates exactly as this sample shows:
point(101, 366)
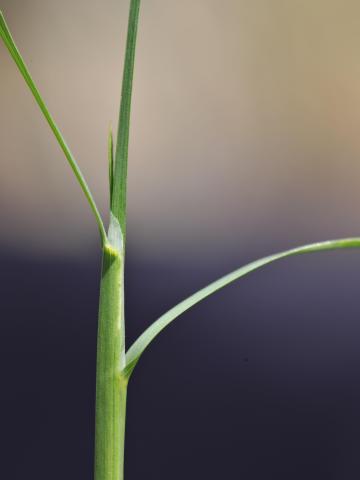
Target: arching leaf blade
point(136, 350)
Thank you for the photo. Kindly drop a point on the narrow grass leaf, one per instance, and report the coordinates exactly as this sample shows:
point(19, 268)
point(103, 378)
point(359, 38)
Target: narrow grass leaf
point(118, 205)
point(138, 347)
point(111, 162)
point(15, 54)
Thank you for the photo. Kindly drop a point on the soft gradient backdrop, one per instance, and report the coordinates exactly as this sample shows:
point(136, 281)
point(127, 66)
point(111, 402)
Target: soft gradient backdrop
point(244, 141)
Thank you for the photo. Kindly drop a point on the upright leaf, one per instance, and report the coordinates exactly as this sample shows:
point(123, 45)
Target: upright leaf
point(118, 205)
point(111, 162)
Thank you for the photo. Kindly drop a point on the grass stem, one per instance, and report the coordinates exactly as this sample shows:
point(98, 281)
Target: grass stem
point(111, 385)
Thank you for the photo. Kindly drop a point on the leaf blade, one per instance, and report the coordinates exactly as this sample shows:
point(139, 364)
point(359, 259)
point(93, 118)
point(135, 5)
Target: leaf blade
point(111, 162)
point(9, 42)
point(118, 204)
point(138, 347)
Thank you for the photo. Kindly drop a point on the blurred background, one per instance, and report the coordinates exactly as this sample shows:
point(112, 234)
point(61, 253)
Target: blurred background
point(244, 142)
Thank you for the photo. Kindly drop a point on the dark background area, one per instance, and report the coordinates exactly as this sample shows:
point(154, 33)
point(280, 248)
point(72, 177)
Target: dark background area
point(260, 381)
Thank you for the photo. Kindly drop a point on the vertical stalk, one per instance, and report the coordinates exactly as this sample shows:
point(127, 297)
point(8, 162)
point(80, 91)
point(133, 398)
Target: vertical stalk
point(111, 381)
point(111, 384)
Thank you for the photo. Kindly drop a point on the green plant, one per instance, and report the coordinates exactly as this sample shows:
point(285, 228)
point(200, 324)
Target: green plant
point(115, 365)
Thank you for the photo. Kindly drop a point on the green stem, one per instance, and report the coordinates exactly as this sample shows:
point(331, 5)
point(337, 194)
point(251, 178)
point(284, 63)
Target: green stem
point(111, 384)
point(111, 381)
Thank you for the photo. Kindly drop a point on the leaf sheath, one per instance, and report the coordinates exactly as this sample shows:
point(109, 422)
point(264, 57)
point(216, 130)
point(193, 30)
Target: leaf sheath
point(111, 385)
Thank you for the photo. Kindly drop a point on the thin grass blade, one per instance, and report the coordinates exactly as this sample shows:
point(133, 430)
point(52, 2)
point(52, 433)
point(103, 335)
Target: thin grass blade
point(6, 36)
point(118, 205)
point(138, 347)
point(111, 162)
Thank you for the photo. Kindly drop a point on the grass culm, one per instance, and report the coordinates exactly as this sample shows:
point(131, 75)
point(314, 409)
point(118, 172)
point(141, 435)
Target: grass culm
point(116, 362)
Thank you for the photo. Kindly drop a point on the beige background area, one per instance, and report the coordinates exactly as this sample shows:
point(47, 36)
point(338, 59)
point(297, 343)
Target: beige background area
point(245, 131)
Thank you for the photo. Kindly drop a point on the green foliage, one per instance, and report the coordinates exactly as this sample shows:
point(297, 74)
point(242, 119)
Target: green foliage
point(138, 347)
point(111, 164)
point(118, 204)
point(114, 366)
point(14, 52)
